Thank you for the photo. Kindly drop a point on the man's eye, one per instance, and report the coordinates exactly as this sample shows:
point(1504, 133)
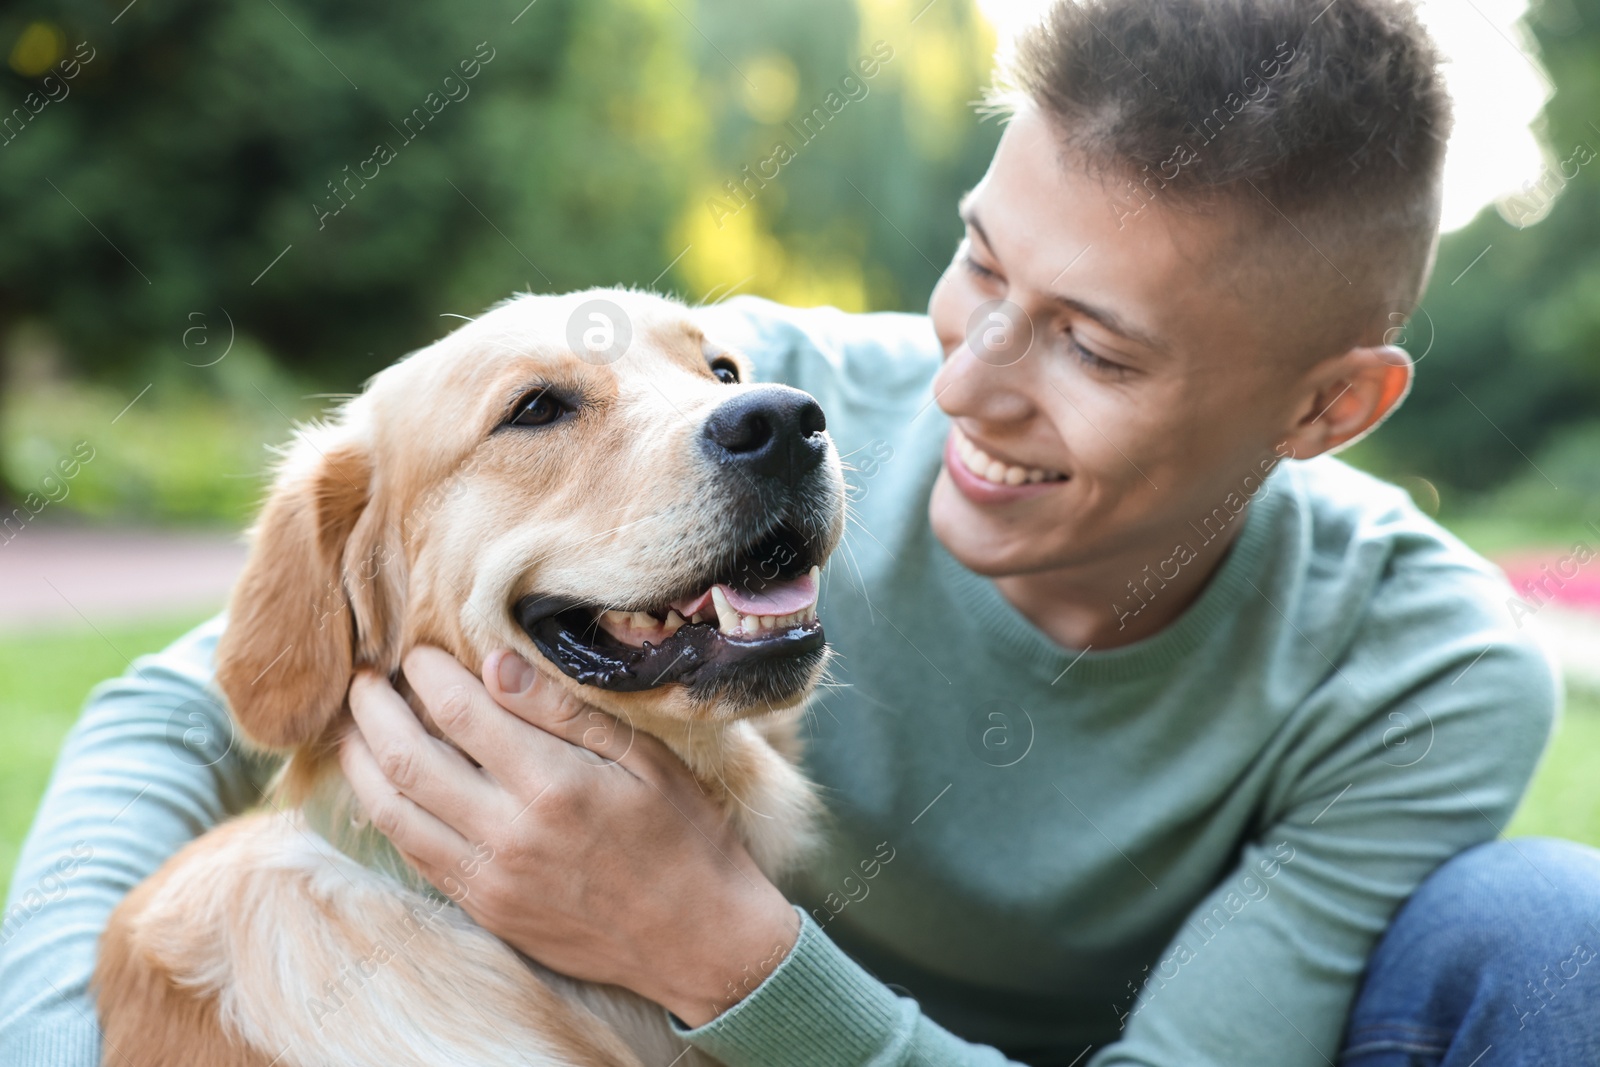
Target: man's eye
point(977, 268)
point(1094, 362)
point(539, 409)
point(726, 370)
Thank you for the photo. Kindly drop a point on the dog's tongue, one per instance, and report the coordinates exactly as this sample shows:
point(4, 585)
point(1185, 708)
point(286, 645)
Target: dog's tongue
point(775, 598)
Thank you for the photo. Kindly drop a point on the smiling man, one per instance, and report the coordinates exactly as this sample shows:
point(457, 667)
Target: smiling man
point(1151, 714)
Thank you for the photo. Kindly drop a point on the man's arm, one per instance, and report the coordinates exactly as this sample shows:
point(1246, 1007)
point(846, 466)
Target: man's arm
point(820, 1008)
point(151, 764)
point(1264, 972)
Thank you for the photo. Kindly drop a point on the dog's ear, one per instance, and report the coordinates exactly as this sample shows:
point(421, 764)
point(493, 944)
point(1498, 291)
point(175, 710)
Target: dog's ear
point(285, 658)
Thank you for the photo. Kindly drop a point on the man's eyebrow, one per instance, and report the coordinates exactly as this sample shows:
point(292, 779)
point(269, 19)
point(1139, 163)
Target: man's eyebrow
point(1104, 316)
point(1109, 319)
point(969, 216)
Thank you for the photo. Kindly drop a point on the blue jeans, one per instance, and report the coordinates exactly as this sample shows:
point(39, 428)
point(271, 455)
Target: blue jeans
point(1493, 962)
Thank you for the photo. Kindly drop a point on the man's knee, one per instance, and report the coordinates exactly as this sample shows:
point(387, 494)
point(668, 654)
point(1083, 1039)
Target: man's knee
point(1501, 937)
point(1511, 902)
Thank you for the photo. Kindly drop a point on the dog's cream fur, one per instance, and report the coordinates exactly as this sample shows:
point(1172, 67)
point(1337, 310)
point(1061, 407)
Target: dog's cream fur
point(294, 936)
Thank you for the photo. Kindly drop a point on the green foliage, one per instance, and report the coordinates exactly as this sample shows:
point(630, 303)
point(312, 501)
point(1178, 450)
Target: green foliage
point(197, 141)
point(202, 140)
point(864, 214)
point(188, 448)
point(321, 183)
point(1512, 364)
point(596, 144)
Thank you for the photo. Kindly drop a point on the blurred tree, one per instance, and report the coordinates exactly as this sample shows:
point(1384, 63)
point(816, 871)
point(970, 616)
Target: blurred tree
point(843, 137)
point(402, 160)
point(328, 181)
point(1512, 339)
point(308, 174)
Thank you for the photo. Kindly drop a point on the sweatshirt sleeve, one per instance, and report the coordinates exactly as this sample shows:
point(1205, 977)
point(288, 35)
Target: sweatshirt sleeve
point(819, 1008)
point(151, 764)
point(1265, 970)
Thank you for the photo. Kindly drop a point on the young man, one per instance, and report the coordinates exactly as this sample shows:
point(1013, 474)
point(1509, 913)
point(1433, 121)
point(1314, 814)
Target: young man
point(1150, 718)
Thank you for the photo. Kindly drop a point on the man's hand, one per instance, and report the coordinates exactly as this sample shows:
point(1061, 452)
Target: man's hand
point(583, 844)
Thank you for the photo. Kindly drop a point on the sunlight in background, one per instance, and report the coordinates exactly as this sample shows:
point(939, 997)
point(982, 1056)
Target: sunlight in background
point(1499, 89)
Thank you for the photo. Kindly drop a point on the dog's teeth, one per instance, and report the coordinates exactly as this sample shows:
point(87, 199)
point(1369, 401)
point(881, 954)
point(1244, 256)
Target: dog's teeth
point(767, 622)
point(643, 620)
point(698, 616)
point(750, 624)
point(815, 572)
point(674, 620)
point(727, 617)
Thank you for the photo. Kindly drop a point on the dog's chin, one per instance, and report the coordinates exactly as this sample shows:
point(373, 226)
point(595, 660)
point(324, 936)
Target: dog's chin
point(747, 638)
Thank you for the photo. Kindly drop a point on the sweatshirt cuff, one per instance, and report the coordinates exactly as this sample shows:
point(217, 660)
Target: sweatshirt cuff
point(54, 1038)
point(818, 1008)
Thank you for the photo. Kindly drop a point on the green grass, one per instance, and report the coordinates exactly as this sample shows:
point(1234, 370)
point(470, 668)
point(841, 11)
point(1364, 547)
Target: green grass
point(44, 678)
point(1564, 800)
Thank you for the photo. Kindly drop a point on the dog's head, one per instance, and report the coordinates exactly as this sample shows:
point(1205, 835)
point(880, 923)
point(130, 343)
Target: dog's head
point(587, 479)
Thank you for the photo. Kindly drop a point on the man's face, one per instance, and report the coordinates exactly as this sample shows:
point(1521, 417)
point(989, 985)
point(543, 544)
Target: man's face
point(1130, 365)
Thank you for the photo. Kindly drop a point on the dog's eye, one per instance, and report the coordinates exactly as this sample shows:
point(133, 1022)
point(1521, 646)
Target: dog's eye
point(539, 409)
point(726, 370)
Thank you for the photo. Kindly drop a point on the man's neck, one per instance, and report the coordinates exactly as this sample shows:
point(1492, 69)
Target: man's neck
point(1119, 601)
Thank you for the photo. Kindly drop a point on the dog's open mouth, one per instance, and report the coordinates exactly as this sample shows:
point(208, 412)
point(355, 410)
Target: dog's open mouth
point(758, 612)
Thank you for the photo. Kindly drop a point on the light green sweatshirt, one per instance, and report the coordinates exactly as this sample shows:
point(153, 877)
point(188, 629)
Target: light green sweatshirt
point(1175, 854)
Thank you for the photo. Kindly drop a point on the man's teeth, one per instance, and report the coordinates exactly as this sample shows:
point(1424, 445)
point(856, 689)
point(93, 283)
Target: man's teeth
point(990, 469)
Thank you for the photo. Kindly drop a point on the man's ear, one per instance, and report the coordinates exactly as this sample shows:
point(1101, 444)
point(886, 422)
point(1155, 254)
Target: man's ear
point(1345, 397)
point(285, 659)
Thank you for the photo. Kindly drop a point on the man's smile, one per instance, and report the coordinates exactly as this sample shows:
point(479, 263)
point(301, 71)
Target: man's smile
point(986, 479)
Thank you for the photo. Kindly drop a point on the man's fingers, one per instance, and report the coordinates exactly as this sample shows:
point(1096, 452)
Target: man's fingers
point(459, 706)
point(415, 763)
point(414, 830)
point(599, 737)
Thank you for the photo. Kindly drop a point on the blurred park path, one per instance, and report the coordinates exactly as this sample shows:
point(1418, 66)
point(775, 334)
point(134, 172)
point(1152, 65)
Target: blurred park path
point(52, 578)
point(1561, 603)
point(55, 578)
point(1574, 637)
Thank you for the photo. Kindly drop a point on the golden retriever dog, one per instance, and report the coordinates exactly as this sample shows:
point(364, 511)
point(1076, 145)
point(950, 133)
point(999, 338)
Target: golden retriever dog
point(643, 525)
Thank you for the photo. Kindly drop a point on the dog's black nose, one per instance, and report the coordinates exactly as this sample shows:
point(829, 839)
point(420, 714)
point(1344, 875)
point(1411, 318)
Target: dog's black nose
point(773, 431)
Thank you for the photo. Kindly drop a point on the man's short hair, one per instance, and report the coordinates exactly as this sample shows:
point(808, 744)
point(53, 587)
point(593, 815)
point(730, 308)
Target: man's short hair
point(1326, 122)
